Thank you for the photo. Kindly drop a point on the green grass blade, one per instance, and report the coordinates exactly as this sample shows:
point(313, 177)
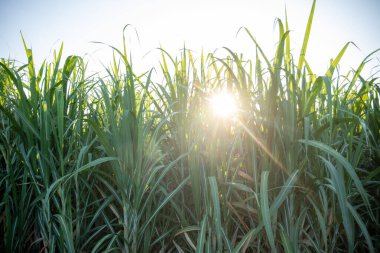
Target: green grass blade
point(265, 211)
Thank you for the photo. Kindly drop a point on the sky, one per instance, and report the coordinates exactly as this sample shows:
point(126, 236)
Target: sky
point(199, 24)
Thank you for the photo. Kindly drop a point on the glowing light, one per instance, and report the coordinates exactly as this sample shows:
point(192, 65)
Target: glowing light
point(223, 105)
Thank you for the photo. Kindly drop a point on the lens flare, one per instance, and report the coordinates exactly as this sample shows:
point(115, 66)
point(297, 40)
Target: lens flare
point(223, 105)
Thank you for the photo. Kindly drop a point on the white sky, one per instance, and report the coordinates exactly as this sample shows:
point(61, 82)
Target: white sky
point(207, 24)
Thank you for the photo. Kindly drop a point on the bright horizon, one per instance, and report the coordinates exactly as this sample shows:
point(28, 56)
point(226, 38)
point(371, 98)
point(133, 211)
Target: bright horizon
point(208, 25)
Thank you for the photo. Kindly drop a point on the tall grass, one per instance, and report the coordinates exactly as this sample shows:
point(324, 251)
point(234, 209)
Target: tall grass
point(126, 163)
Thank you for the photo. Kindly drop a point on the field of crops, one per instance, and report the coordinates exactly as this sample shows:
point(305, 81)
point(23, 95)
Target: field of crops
point(206, 154)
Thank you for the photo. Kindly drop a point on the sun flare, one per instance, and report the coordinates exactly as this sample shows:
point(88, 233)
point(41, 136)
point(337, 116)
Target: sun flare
point(223, 104)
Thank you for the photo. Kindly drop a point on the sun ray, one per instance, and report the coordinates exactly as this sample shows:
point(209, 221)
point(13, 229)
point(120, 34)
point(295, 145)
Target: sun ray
point(262, 146)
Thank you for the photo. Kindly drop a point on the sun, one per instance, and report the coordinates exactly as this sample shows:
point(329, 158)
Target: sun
point(223, 104)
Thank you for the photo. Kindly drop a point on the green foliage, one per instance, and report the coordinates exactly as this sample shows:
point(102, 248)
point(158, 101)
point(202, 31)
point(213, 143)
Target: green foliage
point(124, 163)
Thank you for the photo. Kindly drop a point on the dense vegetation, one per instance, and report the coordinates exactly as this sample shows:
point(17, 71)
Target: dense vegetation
point(125, 163)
